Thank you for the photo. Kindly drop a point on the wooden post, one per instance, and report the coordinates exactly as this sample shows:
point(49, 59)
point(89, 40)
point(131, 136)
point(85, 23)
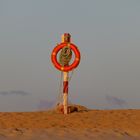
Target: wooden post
point(65, 91)
point(65, 38)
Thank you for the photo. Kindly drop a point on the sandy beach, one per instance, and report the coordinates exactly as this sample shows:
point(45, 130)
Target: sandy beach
point(81, 125)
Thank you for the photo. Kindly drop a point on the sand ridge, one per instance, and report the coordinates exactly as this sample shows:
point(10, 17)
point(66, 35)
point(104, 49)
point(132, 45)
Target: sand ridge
point(83, 124)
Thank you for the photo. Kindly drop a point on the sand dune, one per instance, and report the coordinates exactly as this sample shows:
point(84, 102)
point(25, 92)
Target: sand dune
point(84, 124)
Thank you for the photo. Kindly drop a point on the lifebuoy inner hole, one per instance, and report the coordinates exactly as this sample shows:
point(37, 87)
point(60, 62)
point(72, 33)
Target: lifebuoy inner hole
point(72, 59)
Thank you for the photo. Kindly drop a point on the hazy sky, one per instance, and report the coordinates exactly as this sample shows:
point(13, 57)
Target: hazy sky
point(107, 32)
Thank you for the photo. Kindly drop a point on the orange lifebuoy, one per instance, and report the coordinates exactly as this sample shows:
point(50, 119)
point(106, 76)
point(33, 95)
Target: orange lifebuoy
point(75, 62)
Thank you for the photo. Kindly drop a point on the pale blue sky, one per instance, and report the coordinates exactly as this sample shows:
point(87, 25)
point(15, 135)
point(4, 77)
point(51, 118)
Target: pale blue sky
point(107, 32)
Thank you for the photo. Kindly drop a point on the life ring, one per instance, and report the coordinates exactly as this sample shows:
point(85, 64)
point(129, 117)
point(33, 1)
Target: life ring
point(75, 62)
